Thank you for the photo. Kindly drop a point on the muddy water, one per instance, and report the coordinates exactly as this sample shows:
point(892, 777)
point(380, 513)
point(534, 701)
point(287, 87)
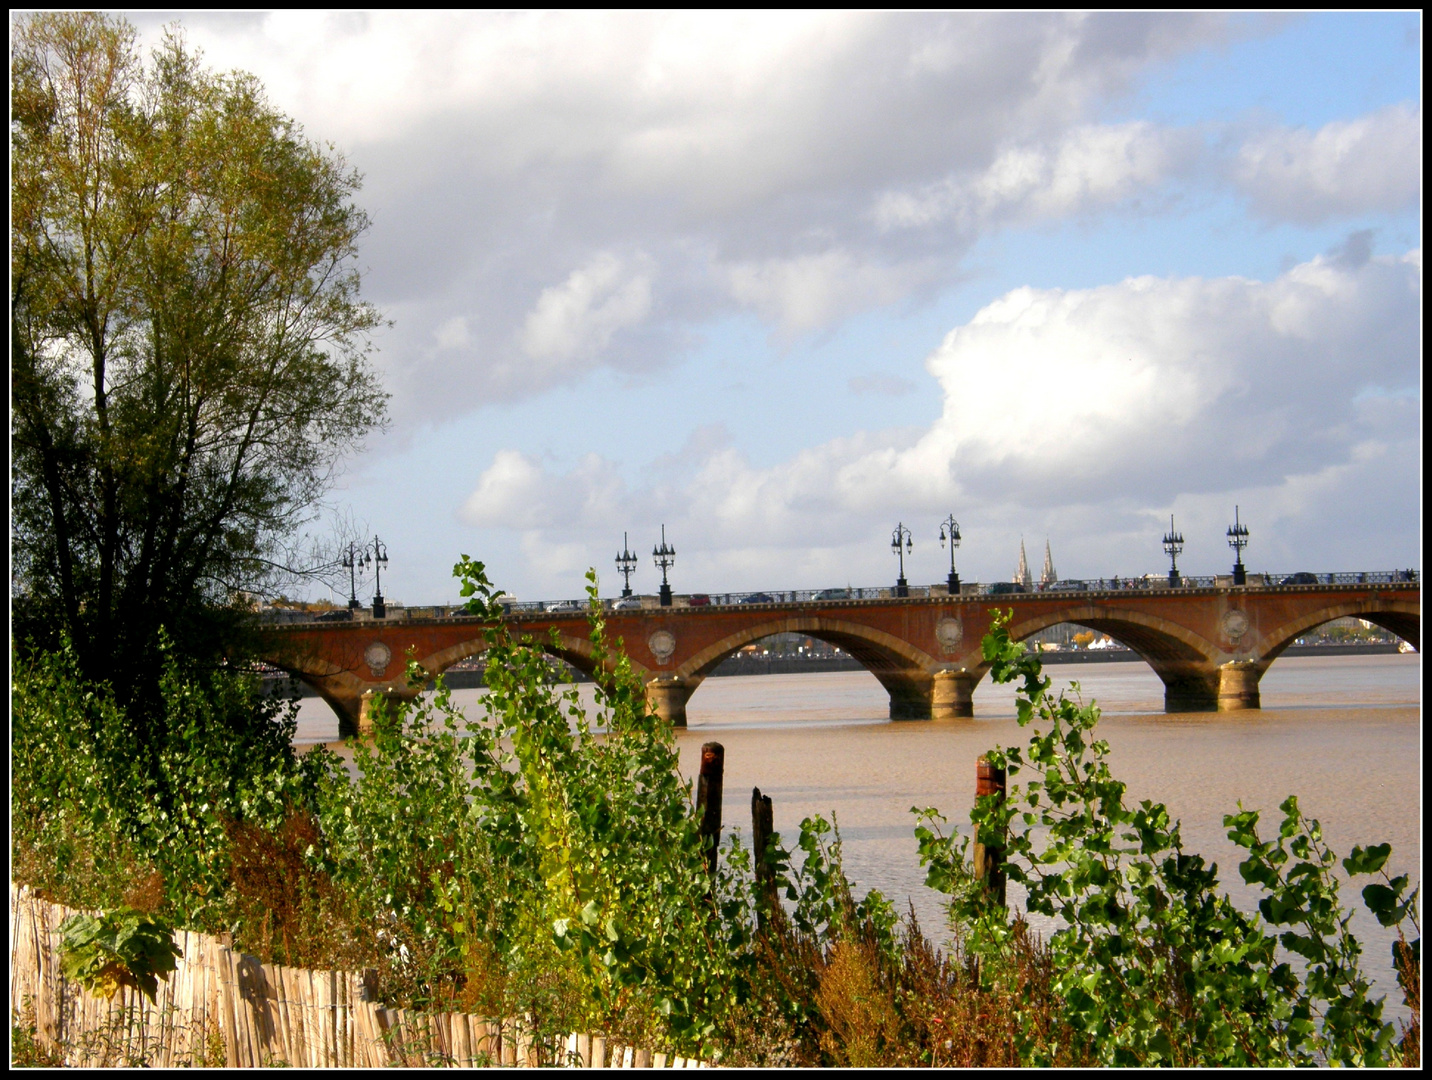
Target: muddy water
point(1342, 733)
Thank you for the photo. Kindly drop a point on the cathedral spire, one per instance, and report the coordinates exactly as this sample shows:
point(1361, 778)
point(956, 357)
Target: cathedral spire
point(1047, 576)
point(1022, 574)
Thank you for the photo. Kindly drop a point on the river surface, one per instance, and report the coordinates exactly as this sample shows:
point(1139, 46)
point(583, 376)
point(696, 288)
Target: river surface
point(1342, 733)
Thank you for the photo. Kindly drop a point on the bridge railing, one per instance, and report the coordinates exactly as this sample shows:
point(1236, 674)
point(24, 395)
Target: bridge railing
point(1148, 582)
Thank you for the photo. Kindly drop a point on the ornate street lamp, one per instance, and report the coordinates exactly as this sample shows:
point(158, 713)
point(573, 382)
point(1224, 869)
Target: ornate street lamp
point(355, 559)
point(1173, 547)
point(1238, 540)
point(951, 528)
point(379, 559)
point(665, 557)
point(901, 534)
point(626, 565)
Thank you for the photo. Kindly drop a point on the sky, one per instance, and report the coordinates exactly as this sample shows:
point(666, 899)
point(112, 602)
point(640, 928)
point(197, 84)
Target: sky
point(781, 282)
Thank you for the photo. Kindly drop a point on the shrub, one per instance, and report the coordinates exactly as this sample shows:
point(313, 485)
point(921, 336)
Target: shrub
point(1152, 964)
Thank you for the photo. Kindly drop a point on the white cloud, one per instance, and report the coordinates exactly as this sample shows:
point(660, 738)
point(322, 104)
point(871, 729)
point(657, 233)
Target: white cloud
point(1090, 167)
point(453, 334)
point(1345, 168)
point(516, 492)
point(742, 154)
point(1113, 404)
point(811, 291)
point(577, 319)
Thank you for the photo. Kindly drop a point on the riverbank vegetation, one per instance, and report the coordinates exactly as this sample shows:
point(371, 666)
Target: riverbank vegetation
point(537, 860)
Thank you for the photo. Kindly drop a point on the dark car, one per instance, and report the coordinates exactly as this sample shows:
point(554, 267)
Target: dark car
point(699, 600)
point(999, 588)
point(833, 594)
point(336, 615)
point(757, 598)
point(1300, 578)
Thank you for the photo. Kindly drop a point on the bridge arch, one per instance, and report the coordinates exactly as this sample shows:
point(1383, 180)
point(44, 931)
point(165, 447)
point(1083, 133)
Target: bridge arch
point(1186, 662)
point(574, 650)
point(905, 671)
point(1397, 615)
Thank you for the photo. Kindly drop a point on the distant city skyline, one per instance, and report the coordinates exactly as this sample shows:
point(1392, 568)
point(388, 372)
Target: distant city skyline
point(780, 281)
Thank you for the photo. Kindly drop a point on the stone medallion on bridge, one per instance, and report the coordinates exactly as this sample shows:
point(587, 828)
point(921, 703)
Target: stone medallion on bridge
point(376, 656)
point(662, 644)
point(949, 633)
point(1235, 625)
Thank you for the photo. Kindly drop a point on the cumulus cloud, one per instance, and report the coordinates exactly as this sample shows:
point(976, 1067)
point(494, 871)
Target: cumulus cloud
point(514, 162)
point(516, 492)
point(1113, 404)
point(811, 291)
point(579, 317)
point(1090, 167)
point(1348, 167)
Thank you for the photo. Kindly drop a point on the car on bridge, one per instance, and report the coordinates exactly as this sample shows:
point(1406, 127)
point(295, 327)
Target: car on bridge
point(564, 605)
point(999, 588)
point(832, 594)
point(1302, 577)
point(757, 598)
point(1065, 586)
point(625, 603)
point(698, 600)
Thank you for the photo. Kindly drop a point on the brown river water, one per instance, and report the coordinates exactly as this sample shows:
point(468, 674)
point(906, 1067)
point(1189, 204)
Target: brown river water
point(1342, 733)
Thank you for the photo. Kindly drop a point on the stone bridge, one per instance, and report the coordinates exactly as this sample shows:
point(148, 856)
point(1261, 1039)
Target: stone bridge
point(1210, 646)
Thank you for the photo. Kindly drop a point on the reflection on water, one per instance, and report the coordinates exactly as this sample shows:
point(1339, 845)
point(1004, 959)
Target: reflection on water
point(1342, 733)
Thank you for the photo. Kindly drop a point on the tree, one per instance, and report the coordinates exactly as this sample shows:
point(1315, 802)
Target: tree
point(189, 348)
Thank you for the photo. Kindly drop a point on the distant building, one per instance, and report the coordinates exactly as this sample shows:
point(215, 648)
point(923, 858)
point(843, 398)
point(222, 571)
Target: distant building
point(1021, 575)
point(1047, 576)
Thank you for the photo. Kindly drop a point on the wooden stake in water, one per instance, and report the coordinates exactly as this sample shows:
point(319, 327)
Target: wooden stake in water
point(989, 861)
point(762, 826)
point(708, 800)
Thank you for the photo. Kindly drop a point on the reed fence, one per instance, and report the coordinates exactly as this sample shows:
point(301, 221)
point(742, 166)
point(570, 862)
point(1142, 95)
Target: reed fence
point(220, 1007)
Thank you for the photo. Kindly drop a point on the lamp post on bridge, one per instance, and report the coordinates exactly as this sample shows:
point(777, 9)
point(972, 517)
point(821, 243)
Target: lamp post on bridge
point(626, 566)
point(1173, 547)
point(1238, 540)
point(665, 557)
point(379, 560)
point(356, 559)
point(901, 533)
point(950, 528)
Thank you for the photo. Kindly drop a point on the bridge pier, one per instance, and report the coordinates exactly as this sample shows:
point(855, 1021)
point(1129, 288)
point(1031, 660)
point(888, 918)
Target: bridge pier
point(355, 708)
point(953, 696)
point(668, 697)
point(1238, 686)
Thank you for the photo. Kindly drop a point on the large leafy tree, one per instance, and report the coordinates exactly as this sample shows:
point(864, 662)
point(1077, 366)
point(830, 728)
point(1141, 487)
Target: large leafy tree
point(189, 350)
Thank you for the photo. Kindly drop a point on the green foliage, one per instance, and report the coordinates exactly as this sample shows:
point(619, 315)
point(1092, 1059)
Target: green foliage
point(1153, 964)
point(188, 343)
point(537, 860)
point(554, 840)
point(119, 948)
point(94, 806)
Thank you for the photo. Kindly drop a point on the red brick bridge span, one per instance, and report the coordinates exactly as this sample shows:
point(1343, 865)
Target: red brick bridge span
point(1210, 646)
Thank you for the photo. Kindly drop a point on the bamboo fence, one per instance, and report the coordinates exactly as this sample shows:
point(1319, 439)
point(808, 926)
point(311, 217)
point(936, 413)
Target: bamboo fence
point(219, 1007)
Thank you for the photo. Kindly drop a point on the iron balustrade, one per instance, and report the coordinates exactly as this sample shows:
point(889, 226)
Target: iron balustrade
point(1141, 583)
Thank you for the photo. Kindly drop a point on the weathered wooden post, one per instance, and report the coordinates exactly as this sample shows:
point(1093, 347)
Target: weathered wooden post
point(708, 800)
point(989, 861)
point(762, 826)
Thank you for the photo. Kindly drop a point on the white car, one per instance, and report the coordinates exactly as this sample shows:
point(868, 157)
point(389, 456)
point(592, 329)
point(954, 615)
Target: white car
point(626, 602)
